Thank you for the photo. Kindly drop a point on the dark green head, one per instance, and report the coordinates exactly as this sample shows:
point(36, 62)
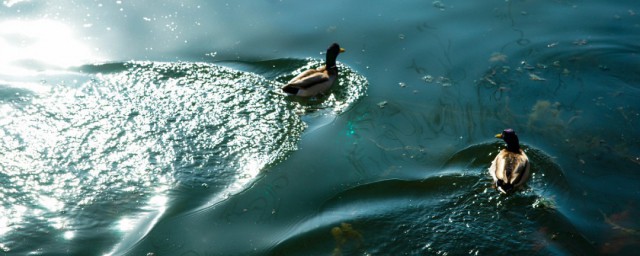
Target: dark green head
point(509, 136)
point(332, 54)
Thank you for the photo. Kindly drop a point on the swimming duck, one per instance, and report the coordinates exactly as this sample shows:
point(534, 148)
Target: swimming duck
point(510, 168)
point(315, 81)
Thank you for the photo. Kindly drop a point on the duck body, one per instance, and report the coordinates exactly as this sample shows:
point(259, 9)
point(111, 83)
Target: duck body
point(511, 168)
point(316, 81)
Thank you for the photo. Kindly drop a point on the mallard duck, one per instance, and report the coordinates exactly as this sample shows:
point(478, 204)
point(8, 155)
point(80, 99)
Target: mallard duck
point(510, 168)
point(315, 81)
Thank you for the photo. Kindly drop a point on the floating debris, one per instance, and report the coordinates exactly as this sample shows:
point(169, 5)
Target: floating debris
point(619, 221)
point(554, 44)
point(535, 77)
point(498, 56)
point(489, 77)
point(580, 42)
point(545, 116)
point(402, 84)
point(527, 66)
point(445, 81)
point(212, 54)
point(331, 29)
point(342, 234)
point(439, 5)
point(382, 104)
point(428, 78)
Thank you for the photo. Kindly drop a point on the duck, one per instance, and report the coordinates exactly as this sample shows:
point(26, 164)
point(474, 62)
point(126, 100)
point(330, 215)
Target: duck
point(511, 168)
point(316, 81)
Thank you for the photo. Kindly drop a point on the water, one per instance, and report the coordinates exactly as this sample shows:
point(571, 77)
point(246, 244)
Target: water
point(157, 128)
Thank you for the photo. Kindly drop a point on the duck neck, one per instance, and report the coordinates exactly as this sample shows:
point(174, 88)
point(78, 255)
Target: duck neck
point(331, 61)
point(513, 146)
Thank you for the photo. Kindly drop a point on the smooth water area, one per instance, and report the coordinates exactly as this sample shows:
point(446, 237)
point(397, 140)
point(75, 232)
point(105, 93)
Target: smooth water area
point(158, 128)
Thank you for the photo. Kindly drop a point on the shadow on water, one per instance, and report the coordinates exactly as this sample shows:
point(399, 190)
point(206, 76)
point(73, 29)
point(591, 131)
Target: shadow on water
point(451, 211)
point(105, 68)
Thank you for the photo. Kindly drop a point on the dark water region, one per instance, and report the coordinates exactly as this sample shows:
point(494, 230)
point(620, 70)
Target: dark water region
point(158, 128)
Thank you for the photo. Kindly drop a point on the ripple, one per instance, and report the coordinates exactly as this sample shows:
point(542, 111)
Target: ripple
point(349, 88)
point(453, 211)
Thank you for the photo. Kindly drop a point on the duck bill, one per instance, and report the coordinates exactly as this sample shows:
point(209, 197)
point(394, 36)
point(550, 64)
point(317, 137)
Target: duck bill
point(342, 50)
point(499, 135)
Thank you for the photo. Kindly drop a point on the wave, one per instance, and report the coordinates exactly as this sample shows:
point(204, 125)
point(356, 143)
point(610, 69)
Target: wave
point(451, 211)
point(141, 139)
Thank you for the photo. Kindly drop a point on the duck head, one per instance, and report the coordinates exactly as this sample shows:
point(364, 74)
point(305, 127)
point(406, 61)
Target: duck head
point(332, 54)
point(509, 136)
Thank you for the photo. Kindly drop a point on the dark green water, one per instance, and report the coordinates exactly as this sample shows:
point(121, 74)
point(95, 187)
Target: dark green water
point(158, 128)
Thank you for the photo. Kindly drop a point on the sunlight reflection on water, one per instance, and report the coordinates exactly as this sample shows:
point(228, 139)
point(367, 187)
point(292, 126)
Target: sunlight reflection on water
point(121, 141)
point(100, 155)
point(28, 46)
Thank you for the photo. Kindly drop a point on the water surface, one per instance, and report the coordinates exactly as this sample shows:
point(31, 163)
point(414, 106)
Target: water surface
point(137, 127)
